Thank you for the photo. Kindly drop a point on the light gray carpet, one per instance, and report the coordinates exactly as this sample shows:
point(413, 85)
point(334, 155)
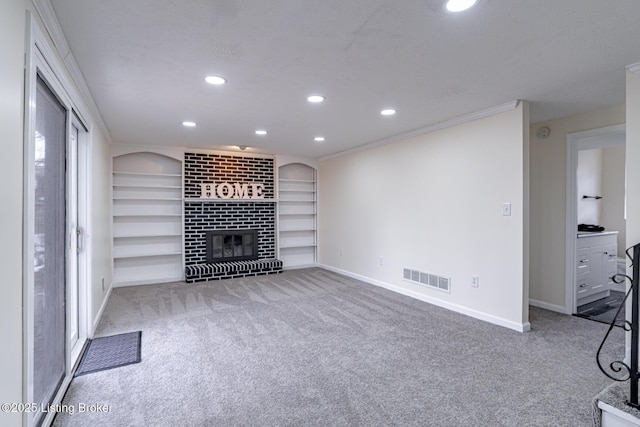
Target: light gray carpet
point(311, 347)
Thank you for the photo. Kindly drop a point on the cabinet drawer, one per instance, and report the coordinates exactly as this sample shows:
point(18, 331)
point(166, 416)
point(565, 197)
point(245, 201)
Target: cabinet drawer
point(582, 261)
point(582, 286)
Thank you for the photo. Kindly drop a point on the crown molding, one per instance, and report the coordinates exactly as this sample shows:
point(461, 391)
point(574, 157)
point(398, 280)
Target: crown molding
point(634, 68)
point(508, 106)
point(54, 30)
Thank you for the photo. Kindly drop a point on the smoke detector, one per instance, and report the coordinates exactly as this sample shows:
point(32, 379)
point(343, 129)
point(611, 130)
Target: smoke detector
point(543, 132)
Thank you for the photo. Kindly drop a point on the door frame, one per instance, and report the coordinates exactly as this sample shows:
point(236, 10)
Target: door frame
point(40, 59)
point(609, 136)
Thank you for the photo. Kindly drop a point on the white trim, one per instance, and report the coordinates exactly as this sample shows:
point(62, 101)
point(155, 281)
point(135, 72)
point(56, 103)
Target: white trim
point(29, 217)
point(575, 142)
point(508, 106)
point(628, 419)
point(94, 324)
point(54, 30)
point(520, 327)
point(547, 306)
point(634, 68)
point(301, 267)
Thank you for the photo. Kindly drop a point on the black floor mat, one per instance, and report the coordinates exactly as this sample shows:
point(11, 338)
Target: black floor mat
point(110, 352)
point(604, 310)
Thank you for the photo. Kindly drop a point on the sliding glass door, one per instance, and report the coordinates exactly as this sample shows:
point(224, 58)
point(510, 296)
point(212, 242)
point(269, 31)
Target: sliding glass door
point(49, 245)
point(56, 262)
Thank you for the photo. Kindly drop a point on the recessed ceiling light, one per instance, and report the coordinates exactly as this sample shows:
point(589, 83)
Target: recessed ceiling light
point(319, 139)
point(459, 5)
point(215, 80)
point(261, 132)
point(189, 124)
point(315, 98)
point(388, 112)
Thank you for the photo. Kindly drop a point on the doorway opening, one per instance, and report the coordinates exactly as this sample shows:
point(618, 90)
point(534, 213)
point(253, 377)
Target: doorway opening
point(595, 221)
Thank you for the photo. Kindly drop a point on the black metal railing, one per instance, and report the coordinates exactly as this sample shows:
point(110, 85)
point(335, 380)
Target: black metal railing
point(619, 370)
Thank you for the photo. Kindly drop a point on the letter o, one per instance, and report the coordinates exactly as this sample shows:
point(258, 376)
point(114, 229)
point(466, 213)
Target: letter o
point(225, 190)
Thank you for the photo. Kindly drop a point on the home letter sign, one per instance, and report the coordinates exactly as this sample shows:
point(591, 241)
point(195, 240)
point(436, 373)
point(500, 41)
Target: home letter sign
point(226, 190)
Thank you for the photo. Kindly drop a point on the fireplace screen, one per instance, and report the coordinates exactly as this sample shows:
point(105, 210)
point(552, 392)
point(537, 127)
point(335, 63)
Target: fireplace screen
point(231, 245)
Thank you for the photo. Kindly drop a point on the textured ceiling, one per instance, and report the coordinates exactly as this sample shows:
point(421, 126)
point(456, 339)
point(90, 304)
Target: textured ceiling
point(145, 62)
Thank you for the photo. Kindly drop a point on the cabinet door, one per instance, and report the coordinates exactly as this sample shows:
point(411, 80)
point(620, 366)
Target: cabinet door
point(597, 282)
point(610, 260)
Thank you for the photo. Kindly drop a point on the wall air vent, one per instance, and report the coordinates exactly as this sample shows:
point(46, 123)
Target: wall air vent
point(430, 280)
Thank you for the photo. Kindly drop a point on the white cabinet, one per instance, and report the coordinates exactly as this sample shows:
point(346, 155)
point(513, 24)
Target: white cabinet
point(147, 219)
point(297, 215)
point(596, 263)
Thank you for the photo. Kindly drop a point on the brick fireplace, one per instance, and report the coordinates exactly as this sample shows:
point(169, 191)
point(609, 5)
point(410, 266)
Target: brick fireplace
point(202, 215)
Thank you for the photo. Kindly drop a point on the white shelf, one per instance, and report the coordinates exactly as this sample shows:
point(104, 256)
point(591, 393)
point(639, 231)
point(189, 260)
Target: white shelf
point(147, 186)
point(134, 215)
point(166, 199)
point(138, 254)
point(143, 235)
point(147, 174)
point(230, 200)
point(147, 219)
point(297, 246)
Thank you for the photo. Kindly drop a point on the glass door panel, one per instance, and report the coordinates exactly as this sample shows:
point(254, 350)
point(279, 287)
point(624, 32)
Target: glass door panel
point(49, 245)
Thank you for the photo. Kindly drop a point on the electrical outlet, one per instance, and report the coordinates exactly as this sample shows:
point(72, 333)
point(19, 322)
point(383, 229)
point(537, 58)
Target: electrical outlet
point(341, 252)
point(475, 281)
point(380, 261)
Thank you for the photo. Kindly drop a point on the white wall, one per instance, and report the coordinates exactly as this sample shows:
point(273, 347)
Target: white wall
point(101, 241)
point(433, 203)
point(632, 156)
point(548, 159)
point(12, 50)
point(613, 191)
point(589, 183)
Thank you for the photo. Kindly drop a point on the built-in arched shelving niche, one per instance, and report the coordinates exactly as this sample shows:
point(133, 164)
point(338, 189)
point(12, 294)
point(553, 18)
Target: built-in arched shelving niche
point(147, 219)
point(297, 215)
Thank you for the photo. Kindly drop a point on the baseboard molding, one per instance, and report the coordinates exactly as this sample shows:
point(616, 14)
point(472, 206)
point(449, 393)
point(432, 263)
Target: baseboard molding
point(614, 417)
point(97, 318)
point(301, 267)
point(520, 327)
point(547, 306)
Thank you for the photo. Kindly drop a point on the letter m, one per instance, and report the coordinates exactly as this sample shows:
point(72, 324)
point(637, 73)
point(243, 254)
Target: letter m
point(242, 191)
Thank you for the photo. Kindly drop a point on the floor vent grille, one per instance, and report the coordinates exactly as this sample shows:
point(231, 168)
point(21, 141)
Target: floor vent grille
point(434, 281)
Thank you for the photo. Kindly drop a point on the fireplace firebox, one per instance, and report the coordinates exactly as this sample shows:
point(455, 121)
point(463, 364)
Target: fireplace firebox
point(231, 245)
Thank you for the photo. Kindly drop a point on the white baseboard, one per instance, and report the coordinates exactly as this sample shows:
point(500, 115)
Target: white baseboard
point(548, 306)
point(613, 417)
point(300, 267)
point(97, 318)
point(520, 327)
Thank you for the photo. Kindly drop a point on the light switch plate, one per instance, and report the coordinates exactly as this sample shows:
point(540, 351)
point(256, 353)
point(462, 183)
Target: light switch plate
point(506, 209)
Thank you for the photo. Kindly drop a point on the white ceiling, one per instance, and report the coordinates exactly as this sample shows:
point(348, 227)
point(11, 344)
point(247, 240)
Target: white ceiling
point(145, 62)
